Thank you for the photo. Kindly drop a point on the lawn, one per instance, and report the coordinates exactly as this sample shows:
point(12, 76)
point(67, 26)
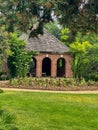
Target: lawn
point(52, 111)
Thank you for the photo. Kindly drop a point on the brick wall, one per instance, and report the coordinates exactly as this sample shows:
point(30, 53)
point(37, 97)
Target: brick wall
point(54, 58)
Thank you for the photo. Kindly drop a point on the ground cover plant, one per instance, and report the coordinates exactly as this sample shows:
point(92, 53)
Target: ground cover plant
point(51, 83)
point(52, 111)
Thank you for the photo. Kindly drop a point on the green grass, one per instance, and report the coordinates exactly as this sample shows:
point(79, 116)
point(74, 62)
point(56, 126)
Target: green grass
point(52, 111)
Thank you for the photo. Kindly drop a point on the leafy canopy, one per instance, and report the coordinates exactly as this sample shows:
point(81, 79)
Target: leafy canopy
point(78, 47)
point(54, 29)
point(24, 15)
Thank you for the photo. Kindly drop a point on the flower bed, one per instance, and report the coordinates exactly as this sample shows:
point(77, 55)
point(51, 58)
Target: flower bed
point(50, 84)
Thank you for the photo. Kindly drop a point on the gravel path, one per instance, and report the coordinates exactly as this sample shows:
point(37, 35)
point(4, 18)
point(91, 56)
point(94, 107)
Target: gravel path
point(71, 92)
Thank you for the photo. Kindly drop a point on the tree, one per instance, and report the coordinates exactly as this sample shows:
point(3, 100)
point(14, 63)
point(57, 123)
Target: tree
point(67, 36)
point(4, 48)
point(24, 15)
point(54, 29)
point(91, 37)
point(18, 62)
point(85, 53)
point(92, 66)
point(80, 60)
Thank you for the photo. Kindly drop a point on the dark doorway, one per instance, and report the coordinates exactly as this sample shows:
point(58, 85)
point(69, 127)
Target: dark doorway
point(46, 67)
point(32, 67)
point(61, 67)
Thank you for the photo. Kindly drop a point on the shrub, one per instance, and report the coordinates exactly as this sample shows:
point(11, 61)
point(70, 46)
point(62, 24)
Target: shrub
point(19, 60)
point(91, 82)
point(3, 76)
point(93, 77)
point(96, 77)
point(1, 91)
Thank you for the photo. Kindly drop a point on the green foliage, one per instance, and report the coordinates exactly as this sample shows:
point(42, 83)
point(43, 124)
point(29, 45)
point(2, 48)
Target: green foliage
point(23, 15)
point(66, 36)
point(54, 29)
point(60, 63)
point(78, 47)
point(65, 33)
point(85, 53)
point(48, 83)
point(85, 58)
point(92, 66)
point(79, 51)
point(18, 62)
point(1, 91)
point(3, 76)
point(90, 37)
point(7, 121)
point(4, 47)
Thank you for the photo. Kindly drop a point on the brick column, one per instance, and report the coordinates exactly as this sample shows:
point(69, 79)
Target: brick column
point(53, 68)
point(68, 68)
point(38, 68)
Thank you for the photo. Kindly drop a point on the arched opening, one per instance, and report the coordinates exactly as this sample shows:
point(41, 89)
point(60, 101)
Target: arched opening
point(46, 67)
point(32, 67)
point(61, 67)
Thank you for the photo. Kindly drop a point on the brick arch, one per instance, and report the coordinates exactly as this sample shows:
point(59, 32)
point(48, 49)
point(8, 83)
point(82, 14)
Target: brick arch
point(32, 67)
point(61, 67)
point(46, 66)
point(54, 58)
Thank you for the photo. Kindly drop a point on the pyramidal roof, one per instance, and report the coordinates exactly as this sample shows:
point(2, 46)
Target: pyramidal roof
point(45, 43)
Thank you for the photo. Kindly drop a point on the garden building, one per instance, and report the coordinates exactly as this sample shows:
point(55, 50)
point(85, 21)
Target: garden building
point(53, 58)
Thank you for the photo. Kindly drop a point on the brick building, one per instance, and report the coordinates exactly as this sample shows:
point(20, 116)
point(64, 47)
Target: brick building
point(53, 57)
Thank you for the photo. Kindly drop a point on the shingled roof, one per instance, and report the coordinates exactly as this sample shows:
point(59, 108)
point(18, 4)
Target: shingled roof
point(45, 43)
